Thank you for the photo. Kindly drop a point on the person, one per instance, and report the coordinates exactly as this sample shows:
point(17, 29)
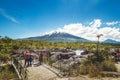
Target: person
point(48, 54)
point(31, 59)
point(26, 57)
point(41, 57)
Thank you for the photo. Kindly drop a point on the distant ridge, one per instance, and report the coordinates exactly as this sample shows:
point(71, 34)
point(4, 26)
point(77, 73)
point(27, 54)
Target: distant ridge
point(58, 37)
point(111, 41)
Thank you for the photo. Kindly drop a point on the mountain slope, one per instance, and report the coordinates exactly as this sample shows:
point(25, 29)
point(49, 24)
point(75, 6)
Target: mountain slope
point(59, 37)
point(111, 41)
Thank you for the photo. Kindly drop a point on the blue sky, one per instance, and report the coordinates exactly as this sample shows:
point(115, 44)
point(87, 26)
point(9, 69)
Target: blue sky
point(25, 18)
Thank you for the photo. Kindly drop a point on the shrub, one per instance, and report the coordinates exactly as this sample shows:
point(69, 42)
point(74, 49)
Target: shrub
point(94, 70)
point(84, 69)
point(6, 73)
point(4, 57)
point(109, 66)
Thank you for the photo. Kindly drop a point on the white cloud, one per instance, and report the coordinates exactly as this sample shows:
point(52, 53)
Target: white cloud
point(95, 23)
point(91, 30)
point(3, 13)
point(112, 23)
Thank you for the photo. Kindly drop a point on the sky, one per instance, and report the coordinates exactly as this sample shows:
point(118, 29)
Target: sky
point(83, 18)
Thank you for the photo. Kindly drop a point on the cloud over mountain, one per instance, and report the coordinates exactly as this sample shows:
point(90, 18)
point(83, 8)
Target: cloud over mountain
point(90, 30)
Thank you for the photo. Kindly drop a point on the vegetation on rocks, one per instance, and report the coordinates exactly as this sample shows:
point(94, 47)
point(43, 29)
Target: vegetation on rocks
point(93, 66)
point(96, 64)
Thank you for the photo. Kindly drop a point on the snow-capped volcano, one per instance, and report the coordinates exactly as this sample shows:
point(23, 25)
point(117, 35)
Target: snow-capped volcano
point(59, 37)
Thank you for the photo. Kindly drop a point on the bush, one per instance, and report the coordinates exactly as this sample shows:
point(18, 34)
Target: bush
point(84, 69)
point(94, 70)
point(94, 65)
point(4, 57)
point(109, 66)
point(6, 75)
point(7, 72)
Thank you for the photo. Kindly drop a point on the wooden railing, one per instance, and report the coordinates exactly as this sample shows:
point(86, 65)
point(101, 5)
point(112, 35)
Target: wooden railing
point(19, 68)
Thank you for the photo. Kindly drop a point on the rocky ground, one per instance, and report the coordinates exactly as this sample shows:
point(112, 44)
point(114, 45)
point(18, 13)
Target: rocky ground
point(42, 72)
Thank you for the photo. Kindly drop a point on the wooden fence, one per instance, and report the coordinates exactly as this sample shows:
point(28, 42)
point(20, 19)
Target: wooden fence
point(19, 68)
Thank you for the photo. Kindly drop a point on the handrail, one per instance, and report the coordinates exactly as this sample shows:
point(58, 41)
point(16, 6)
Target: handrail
point(21, 70)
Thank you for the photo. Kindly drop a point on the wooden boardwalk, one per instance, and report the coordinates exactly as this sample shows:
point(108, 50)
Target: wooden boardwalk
point(40, 73)
point(45, 72)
